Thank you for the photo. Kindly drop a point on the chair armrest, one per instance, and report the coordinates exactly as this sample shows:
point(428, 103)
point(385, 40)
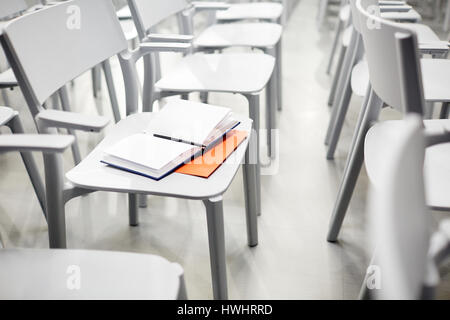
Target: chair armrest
point(148, 47)
point(391, 8)
point(439, 47)
point(70, 120)
point(209, 5)
point(180, 38)
point(48, 143)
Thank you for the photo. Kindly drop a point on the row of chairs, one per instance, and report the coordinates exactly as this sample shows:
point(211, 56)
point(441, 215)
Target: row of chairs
point(404, 184)
point(61, 52)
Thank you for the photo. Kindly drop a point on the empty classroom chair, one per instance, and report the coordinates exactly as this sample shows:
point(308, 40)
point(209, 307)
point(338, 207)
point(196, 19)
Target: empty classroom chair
point(385, 90)
point(78, 274)
point(100, 23)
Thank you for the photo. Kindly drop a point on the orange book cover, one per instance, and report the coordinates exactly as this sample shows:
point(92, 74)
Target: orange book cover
point(205, 165)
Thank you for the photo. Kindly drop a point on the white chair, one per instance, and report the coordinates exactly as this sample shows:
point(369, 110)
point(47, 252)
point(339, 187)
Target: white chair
point(100, 25)
point(385, 89)
point(79, 274)
point(243, 73)
point(407, 254)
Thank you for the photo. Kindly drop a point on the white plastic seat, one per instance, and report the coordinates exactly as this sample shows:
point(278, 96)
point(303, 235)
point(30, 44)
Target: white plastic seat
point(258, 35)
point(411, 15)
point(346, 36)
point(360, 78)
point(46, 274)
point(92, 174)
point(379, 142)
point(247, 11)
point(230, 72)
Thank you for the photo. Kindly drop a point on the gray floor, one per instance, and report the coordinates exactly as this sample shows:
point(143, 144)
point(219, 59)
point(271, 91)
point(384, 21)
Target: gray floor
point(293, 259)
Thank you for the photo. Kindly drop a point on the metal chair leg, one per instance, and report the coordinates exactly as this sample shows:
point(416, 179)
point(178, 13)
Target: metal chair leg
point(253, 100)
point(96, 81)
point(347, 66)
point(337, 73)
point(249, 174)
point(339, 27)
point(444, 111)
point(216, 236)
point(111, 90)
point(133, 213)
point(270, 112)
point(54, 184)
point(353, 167)
point(279, 74)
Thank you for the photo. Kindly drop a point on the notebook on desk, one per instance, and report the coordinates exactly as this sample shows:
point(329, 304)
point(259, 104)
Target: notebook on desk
point(176, 135)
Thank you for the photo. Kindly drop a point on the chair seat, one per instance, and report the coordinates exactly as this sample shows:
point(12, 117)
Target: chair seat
point(230, 72)
point(258, 35)
point(409, 16)
point(91, 174)
point(437, 160)
point(435, 78)
point(8, 79)
point(243, 11)
point(6, 114)
point(45, 274)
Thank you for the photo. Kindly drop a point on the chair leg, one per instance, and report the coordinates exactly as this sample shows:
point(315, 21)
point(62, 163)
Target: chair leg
point(203, 97)
point(279, 74)
point(142, 200)
point(5, 98)
point(111, 90)
point(341, 113)
point(364, 292)
point(66, 107)
point(337, 73)
point(16, 127)
point(147, 94)
point(444, 111)
point(253, 100)
point(182, 292)
point(353, 166)
point(54, 183)
point(249, 174)
point(429, 110)
point(339, 27)
point(322, 12)
point(447, 17)
point(133, 213)
point(216, 236)
point(96, 81)
point(271, 112)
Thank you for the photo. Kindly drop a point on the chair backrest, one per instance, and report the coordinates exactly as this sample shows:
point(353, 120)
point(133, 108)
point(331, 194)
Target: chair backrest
point(394, 70)
point(148, 13)
point(10, 8)
point(400, 221)
point(52, 46)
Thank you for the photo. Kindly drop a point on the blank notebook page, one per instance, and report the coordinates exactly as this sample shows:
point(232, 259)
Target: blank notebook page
point(146, 150)
point(190, 121)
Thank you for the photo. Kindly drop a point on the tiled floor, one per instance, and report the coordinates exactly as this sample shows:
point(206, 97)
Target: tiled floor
point(293, 260)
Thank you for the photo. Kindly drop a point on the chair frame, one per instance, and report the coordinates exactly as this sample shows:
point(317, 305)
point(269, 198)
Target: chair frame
point(60, 192)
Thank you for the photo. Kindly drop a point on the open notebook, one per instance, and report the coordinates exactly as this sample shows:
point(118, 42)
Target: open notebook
point(177, 134)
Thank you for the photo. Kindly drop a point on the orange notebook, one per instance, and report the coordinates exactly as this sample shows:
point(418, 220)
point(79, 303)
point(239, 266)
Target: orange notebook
point(205, 165)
